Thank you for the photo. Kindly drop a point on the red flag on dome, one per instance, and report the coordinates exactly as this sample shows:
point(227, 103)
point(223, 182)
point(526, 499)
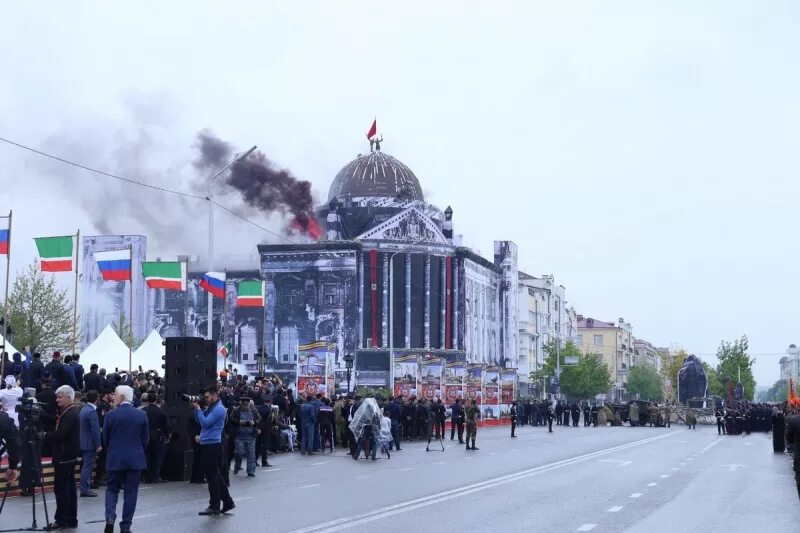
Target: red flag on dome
point(373, 130)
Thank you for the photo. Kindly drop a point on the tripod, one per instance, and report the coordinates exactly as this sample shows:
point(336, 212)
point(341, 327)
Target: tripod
point(31, 442)
point(430, 437)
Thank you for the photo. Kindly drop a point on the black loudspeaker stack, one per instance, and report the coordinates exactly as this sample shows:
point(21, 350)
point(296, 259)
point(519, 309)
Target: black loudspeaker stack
point(190, 365)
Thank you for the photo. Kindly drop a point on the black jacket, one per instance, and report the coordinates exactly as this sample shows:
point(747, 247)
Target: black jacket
point(65, 439)
point(34, 374)
point(9, 439)
point(457, 413)
point(438, 412)
point(93, 381)
point(158, 421)
point(47, 401)
point(56, 370)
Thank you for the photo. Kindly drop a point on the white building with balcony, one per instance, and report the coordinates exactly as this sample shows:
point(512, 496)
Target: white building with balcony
point(543, 316)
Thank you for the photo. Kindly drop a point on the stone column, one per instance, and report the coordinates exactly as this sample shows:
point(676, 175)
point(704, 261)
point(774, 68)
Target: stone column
point(408, 300)
point(427, 301)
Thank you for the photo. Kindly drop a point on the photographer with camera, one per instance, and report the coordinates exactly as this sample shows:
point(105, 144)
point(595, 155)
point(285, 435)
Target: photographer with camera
point(212, 422)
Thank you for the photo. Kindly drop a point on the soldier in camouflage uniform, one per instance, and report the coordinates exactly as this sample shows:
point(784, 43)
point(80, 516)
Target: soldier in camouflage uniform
point(473, 413)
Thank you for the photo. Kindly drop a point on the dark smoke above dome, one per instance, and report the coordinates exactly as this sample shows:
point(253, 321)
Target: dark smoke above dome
point(375, 174)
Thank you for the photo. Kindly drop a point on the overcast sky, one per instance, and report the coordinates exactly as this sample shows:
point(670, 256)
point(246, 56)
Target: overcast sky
point(644, 153)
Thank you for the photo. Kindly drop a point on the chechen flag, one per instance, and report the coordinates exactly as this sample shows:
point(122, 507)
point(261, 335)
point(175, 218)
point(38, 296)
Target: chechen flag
point(214, 282)
point(5, 238)
point(114, 265)
point(373, 130)
point(55, 253)
point(169, 275)
point(251, 294)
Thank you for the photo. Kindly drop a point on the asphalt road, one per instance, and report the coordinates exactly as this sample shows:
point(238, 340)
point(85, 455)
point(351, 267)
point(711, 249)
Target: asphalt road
point(644, 480)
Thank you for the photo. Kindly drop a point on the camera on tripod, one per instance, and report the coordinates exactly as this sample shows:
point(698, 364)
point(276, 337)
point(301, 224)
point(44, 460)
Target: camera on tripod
point(29, 410)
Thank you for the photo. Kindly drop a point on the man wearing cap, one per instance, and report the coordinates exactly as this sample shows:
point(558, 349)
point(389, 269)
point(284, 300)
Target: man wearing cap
point(245, 422)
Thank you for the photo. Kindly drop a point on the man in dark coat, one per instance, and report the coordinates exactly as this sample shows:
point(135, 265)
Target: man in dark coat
point(93, 380)
point(33, 377)
point(78, 370)
point(575, 410)
point(793, 436)
point(125, 436)
point(65, 442)
point(158, 429)
point(457, 421)
point(778, 432)
point(56, 370)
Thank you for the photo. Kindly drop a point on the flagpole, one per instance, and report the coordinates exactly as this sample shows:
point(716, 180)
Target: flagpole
point(130, 310)
point(5, 300)
point(223, 332)
point(75, 308)
point(264, 329)
point(186, 297)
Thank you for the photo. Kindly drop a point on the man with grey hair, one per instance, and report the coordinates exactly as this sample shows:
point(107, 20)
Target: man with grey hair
point(125, 438)
point(66, 445)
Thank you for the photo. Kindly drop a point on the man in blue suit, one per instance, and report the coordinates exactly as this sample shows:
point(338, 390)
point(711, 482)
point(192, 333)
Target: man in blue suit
point(125, 437)
point(90, 441)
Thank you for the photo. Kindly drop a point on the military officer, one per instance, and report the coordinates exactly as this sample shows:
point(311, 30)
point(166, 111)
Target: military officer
point(473, 414)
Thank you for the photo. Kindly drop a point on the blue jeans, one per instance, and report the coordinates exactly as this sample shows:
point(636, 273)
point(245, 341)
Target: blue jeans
point(89, 457)
point(128, 480)
point(307, 444)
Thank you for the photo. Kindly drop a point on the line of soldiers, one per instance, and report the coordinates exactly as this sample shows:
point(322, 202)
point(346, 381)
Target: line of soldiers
point(743, 417)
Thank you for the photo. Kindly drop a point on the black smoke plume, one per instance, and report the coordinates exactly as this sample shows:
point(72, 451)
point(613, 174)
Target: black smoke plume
point(261, 184)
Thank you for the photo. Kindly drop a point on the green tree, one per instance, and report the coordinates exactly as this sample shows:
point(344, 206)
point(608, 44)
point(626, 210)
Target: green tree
point(589, 377)
point(671, 363)
point(40, 312)
point(125, 331)
point(716, 387)
point(644, 380)
point(733, 359)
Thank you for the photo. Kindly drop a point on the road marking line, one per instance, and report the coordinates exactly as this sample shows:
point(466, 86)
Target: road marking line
point(320, 463)
point(615, 509)
point(664, 476)
point(675, 469)
point(240, 499)
point(432, 499)
point(440, 463)
point(714, 443)
point(683, 464)
point(310, 486)
point(493, 453)
point(635, 495)
point(587, 527)
point(652, 484)
point(406, 469)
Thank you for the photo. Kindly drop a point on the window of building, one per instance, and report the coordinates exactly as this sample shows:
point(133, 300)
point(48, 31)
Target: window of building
point(597, 340)
point(330, 294)
point(580, 340)
point(531, 317)
point(531, 292)
point(556, 305)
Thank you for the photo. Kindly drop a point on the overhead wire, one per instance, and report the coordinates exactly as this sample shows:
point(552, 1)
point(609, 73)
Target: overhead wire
point(143, 184)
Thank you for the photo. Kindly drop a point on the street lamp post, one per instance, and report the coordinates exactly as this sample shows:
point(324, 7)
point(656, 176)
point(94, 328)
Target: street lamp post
point(348, 363)
point(210, 325)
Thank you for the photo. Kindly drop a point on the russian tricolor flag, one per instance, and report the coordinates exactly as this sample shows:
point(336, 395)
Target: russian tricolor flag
point(214, 282)
point(114, 265)
point(4, 238)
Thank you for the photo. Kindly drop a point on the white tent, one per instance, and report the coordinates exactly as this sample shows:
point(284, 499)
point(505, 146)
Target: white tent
point(149, 354)
point(107, 350)
point(9, 349)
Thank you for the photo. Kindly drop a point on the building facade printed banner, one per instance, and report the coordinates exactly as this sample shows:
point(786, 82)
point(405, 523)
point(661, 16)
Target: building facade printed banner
point(314, 368)
point(454, 375)
point(507, 391)
point(430, 377)
point(474, 383)
point(405, 375)
point(491, 386)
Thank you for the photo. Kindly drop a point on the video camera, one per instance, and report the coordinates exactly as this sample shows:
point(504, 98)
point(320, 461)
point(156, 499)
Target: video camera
point(29, 410)
point(194, 398)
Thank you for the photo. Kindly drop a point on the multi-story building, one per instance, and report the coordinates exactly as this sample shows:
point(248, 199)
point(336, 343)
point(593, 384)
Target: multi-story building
point(790, 363)
point(614, 342)
point(543, 317)
point(645, 353)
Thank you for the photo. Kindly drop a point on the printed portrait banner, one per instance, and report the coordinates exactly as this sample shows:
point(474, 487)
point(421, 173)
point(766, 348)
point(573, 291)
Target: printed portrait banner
point(454, 375)
point(474, 383)
point(405, 375)
point(491, 386)
point(314, 370)
point(430, 377)
point(507, 379)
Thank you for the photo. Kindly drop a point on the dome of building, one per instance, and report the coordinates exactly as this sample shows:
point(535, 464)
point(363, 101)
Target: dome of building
point(375, 174)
